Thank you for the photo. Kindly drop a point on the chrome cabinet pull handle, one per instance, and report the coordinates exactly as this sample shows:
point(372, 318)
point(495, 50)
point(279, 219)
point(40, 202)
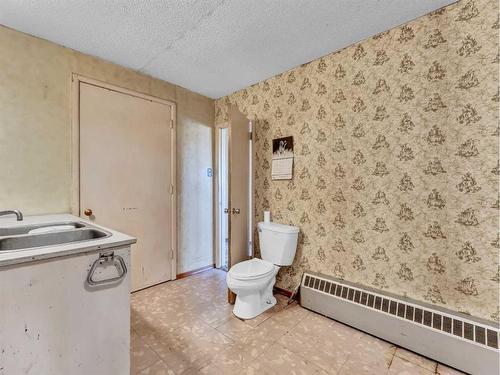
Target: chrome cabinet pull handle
point(236, 211)
point(107, 258)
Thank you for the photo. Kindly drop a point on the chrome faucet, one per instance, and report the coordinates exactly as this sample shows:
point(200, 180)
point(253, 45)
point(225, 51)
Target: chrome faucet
point(18, 214)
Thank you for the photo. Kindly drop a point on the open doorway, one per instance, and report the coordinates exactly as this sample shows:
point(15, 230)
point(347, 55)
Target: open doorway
point(223, 198)
point(234, 211)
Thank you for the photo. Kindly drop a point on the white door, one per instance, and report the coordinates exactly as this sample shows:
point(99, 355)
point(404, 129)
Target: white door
point(239, 186)
point(126, 175)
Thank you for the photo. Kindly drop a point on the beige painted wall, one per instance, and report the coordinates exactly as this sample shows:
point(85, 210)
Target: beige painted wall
point(396, 159)
point(35, 138)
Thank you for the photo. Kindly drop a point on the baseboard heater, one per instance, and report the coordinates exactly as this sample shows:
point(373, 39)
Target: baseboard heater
point(457, 340)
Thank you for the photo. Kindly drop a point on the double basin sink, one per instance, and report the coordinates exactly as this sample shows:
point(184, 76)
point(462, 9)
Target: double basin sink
point(26, 237)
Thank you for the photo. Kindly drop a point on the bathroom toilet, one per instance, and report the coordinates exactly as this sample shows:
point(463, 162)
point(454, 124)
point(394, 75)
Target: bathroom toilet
point(253, 280)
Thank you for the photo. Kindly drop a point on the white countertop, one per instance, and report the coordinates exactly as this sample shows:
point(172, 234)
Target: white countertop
point(8, 258)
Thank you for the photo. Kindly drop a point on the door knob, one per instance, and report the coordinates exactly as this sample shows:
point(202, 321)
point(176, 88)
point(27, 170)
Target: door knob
point(87, 212)
point(226, 210)
point(236, 210)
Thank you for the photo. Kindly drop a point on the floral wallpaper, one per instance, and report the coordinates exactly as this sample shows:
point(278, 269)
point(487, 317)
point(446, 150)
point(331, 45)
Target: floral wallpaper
point(396, 159)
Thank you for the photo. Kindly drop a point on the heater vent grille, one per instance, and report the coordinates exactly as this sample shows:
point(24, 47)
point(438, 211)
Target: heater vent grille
point(481, 335)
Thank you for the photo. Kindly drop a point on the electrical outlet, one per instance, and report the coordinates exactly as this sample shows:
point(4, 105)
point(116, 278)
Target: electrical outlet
point(209, 172)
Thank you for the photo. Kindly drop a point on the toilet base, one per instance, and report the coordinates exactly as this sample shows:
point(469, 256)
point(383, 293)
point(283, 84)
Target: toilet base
point(244, 309)
point(253, 297)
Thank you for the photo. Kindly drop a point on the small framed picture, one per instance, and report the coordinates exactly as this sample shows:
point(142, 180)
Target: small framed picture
point(282, 163)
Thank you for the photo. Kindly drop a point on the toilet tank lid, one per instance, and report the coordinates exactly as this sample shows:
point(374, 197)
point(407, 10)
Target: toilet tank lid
point(280, 228)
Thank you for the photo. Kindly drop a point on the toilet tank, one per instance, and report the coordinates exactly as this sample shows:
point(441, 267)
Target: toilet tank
point(278, 243)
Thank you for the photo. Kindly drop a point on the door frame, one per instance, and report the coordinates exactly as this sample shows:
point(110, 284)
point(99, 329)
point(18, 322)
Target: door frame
point(76, 79)
point(251, 182)
point(217, 211)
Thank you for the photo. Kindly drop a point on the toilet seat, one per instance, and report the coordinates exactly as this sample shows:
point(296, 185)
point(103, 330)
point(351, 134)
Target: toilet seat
point(251, 269)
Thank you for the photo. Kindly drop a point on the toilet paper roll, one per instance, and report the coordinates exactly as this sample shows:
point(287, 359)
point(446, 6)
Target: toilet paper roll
point(267, 216)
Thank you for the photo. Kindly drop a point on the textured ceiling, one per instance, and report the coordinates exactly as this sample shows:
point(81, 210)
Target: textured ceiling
point(213, 47)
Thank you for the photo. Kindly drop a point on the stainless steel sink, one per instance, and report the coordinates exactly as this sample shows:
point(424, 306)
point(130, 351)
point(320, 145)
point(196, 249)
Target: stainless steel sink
point(47, 239)
point(19, 238)
point(25, 229)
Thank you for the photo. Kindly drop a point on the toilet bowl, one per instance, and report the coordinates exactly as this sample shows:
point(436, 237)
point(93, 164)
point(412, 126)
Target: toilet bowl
point(253, 280)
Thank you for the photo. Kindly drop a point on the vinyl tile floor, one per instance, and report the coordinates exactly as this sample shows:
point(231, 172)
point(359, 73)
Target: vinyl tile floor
point(187, 327)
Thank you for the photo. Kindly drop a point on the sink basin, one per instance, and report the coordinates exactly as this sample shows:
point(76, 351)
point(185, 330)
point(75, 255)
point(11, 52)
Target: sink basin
point(48, 239)
point(25, 229)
